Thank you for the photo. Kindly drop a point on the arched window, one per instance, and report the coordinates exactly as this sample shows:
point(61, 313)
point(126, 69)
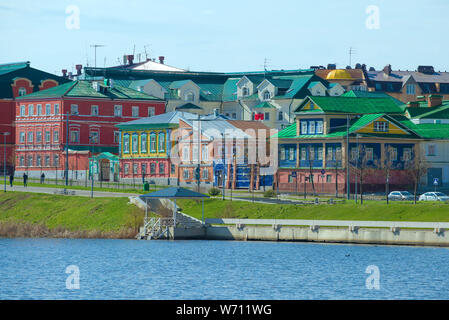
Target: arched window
point(189, 96)
point(22, 91)
point(152, 142)
point(161, 142)
point(143, 143)
point(266, 95)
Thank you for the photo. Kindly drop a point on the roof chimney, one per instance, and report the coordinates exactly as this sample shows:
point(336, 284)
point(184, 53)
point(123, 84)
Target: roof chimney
point(413, 104)
point(420, 98)
point(161, 59)
point(387, 70)
point(64, 73)
point(70, 76)
point(78, 67)
point(434, 100)
point(130, 58)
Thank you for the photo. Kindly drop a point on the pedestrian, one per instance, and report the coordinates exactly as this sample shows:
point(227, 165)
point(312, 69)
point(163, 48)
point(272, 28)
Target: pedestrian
point(25, 179)
point(42, 178)
point(11, 179)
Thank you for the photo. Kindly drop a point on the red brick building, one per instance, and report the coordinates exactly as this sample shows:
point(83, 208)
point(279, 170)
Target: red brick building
point(18, 79)
point(83, 112)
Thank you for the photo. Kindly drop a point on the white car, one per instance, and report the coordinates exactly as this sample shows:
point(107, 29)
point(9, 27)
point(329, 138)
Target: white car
point(433, 196)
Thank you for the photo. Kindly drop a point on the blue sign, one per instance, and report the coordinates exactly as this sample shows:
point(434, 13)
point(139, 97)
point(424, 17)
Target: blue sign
point(435, 181)
point(323, 171)
point(294, 174)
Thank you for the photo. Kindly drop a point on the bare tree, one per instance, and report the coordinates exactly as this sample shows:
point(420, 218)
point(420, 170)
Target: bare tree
point(416, 167)
point(362, 165)
point(387, 165)
point(310, 159)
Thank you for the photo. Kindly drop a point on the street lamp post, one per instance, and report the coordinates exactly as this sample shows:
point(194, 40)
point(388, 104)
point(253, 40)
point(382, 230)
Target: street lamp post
point(4, 156)
point(224, 165)
point(92, 168)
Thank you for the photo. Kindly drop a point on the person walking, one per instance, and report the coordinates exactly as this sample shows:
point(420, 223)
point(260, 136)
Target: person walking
point(11, 179)
point(42, 178)
point(25, 179)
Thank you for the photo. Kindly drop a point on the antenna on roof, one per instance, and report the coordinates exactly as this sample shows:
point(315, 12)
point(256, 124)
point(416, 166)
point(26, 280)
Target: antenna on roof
point(265, 66)
point(95, 46)
point(351, 53)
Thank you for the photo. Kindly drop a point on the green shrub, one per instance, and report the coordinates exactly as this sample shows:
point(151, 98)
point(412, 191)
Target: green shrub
point(214, 192)
point(269, 194)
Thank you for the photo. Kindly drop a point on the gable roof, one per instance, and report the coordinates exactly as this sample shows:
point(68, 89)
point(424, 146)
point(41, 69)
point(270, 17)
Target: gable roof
point(165, 120)
point(265, 104)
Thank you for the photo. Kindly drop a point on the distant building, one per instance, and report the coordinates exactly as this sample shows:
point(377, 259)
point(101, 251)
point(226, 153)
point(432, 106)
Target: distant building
point(81, 115)
point(18, 79)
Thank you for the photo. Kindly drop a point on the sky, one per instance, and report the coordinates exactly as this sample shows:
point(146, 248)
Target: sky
point(226, 36)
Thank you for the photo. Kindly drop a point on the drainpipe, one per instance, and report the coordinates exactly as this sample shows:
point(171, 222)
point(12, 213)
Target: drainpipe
point(290, 111)
point(243, 108)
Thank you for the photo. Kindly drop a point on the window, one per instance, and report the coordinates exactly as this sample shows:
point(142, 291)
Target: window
point(338, 155)
point(303, 154)
point(266, 95)
point(153, 142)
point(161, 142)
point(135, 112)
point(144, 168)
point(56, 108)
point(22, 91)
point(74, 136)
point(407, 154)
point(126, 143)
point(22, 161)
point(38, 161)
point(126, 168)
point(152, 168)
point(312, 127)
point(320, 153)
point(204, 153)
point(30, 137)
point(329, 178)
point(117, 111)
point(330, 154)
point(189, 96)
point(172, 169)
point(47, 136)
point(94, 137)
point(116, 136)
point(319, 127)
point(22, 137)
point(303, 127)
point(151, 111)
point(56, 160)
point(205, 174)
point(245, 92)
point(135, 168)
point(369, 154)
point(290, 178)
point(161, 168)
point(195, 152)
point(282, 153)
point(267, 116)
point(311, 153)
point(39, 109)
point(30, 161)
point(56, 136)
point(30, 110)
point(47, 161)
point(411, 89)
point(280, 116)
point(185, 153)
point(291, 154)
point(431, 150)
point(135, 143)
point(354, 154)
point(143, 143)
point(234, 115)
point(74, 109)
point(39, 137)
point(393, 154)
point(186, 174)
point(48, 109)
point(380, 126)
point(94, 110)
point(22, 110)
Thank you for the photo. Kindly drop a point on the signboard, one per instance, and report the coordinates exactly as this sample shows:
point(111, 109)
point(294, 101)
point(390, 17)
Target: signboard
point(323, 171)
point(435, 182)
point(294, 174)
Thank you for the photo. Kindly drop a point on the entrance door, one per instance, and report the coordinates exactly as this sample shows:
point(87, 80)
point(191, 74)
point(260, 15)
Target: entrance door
point(105, 170)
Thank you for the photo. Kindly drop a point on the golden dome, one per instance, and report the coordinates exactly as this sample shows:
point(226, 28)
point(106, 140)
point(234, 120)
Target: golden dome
point(339, 74)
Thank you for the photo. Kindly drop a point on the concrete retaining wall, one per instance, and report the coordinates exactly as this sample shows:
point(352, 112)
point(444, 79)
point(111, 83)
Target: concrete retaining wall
point(331, 235)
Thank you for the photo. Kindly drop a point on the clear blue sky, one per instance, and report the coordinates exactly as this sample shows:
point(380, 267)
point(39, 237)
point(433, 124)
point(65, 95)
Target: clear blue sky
point(231, 35)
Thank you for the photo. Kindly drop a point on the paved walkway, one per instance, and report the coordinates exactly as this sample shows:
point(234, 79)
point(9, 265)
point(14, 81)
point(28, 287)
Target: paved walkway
point(81, 193)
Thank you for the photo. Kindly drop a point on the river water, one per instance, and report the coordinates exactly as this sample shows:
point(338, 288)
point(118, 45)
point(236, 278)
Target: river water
point(128, 269)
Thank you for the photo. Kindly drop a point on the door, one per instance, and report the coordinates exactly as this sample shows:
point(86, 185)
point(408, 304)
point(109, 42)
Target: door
point(105, 170)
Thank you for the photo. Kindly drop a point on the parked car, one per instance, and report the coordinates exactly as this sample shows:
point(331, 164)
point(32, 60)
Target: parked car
point(400, 196)
point(433, 196)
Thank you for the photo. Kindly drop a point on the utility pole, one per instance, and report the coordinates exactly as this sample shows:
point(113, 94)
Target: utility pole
point(95, 46)
point(224, 166)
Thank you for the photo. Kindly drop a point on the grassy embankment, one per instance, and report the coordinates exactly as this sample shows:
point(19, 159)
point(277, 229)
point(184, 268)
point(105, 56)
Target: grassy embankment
point(370, 210)
point(44, 215)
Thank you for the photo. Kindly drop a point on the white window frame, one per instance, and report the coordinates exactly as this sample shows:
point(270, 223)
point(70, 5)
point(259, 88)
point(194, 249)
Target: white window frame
point(118, 112)
point(74, 109)
point(135, 111)
point(151, 111)
point(22, 110)
point(94, 110)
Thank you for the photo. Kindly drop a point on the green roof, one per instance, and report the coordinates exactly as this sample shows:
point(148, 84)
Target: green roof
point(353, 105)
point(10, 67)
point(438, 112)
point(265, 105)
point(82, 88)
point(426, 130)
point(369, 94)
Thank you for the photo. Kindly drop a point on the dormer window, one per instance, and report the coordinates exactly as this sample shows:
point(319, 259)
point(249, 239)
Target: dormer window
point(245, 92)
point(266, 95)
point(22, 91)
point(380, 126)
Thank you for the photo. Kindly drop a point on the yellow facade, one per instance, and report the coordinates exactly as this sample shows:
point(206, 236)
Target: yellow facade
point(153, 150)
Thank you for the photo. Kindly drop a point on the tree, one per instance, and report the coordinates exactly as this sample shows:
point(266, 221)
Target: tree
point(311, 158)
point(361, 163)
point(387, 165)
point(416, 167)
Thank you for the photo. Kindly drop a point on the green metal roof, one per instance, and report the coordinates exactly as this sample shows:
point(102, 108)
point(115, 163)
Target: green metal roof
point(10, 67)
point(368, 94)
point(81, 88)
point(266, 105)
point(438, 112)
point(354, 105)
